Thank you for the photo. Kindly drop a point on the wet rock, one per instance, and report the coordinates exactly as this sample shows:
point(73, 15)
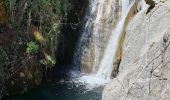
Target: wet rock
point(95, 34)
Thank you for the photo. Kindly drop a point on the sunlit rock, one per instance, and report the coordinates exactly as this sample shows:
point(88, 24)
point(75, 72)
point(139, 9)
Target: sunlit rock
point(144, 68)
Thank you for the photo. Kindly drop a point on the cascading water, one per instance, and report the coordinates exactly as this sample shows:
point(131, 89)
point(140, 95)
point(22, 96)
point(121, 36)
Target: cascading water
point(105, 68)
point(96, 30)
point(84, 38)
point(101, 73)
point(89, 47)
point(125, 5)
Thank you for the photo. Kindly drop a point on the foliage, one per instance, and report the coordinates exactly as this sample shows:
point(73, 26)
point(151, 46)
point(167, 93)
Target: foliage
point(29, 34)
point(67, 6)
point(3, 61)
point(48, 60)
point(45, 16)
point(38, 36)
point(29, 75)
point(3, 16)
point(20, 16)
point(32, 48)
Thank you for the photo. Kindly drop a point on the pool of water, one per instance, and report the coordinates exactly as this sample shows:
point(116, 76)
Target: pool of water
point(61, 90)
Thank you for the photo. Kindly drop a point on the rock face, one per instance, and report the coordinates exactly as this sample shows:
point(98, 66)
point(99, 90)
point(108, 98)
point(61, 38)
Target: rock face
point(145, 65)
point(70, 30)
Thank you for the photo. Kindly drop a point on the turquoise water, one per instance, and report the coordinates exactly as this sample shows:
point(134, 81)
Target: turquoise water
point(57, 90)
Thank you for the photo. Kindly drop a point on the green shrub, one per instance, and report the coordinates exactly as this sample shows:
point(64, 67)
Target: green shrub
point(48, 61)
point(32, 48)
point(30, 76)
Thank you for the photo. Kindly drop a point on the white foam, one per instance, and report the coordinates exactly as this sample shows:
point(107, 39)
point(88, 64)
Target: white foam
point(89, 82)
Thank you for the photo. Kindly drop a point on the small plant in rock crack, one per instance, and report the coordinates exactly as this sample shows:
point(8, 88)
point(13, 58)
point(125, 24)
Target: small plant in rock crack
point(32, 48)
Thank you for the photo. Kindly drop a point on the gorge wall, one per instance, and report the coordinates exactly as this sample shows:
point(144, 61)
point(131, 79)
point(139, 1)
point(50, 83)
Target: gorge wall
point(72, 21)
point(144, 68)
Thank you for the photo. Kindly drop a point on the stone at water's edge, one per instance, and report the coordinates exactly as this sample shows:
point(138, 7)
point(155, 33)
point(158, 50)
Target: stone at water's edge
point(145, 66)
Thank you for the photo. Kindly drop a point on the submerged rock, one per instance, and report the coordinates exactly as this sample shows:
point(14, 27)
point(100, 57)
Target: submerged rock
point(144, 69)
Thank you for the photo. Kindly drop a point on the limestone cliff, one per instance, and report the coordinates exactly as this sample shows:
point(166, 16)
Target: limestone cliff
point(144, 69)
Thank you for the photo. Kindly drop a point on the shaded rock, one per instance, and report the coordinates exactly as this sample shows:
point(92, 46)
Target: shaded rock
point(151, 4)
point(70, 30)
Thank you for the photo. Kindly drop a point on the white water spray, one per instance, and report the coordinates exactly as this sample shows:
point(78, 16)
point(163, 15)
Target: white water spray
point(103, 74)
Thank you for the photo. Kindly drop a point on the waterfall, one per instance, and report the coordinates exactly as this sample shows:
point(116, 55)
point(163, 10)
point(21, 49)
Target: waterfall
point(105, 68)
point(125, 6)
point(96, 31)
point(101, 69)
point(100, 17)
point(86, 31)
